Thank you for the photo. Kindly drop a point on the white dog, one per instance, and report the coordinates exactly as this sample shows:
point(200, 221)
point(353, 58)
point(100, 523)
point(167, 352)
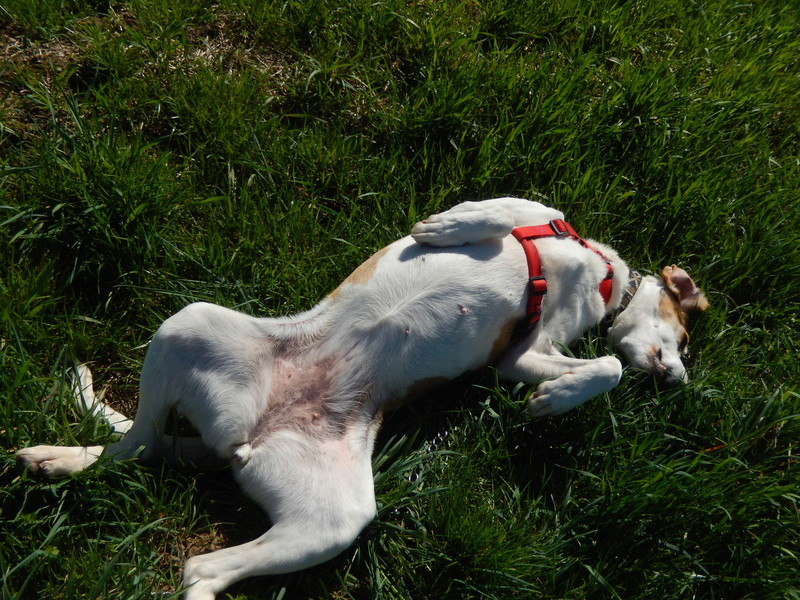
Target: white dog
point(295, 403)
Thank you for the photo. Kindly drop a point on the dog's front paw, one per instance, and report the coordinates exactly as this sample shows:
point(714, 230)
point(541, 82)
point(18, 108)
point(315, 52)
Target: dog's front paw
point(567, 391)
point(552, 397)
point(456, 228)
point(435, 231)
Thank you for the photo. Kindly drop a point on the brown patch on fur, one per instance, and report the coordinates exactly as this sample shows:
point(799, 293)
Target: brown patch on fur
point(670, 310)
point(363, 273)
point(502, 341)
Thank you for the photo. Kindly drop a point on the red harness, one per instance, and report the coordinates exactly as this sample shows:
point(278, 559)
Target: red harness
point(555, 228)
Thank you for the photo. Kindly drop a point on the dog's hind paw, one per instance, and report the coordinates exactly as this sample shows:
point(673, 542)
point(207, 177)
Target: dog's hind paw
point(57, 461)
point(198, 584)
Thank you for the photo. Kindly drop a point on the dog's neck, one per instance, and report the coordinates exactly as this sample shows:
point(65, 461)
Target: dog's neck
point(634, 281)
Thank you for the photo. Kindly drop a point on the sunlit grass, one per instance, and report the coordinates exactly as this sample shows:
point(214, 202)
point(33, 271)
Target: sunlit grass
point(252, 154)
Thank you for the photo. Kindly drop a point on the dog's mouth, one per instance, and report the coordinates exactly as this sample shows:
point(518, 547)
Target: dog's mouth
point(656, 375)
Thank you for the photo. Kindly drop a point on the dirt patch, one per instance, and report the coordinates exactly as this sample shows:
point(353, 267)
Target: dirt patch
point(35, 73)
point(31, 71)
point(221, 45)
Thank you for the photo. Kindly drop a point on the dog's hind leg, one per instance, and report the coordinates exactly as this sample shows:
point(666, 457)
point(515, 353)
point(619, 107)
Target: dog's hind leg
point(319, 496)
point(58, 461)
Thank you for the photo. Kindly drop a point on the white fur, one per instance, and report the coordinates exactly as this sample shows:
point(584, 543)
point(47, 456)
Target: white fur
point(88, 402)
point(295, 402)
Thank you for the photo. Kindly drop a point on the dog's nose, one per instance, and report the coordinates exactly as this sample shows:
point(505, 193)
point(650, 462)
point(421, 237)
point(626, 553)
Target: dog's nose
point(668, 372)
point(670, 379)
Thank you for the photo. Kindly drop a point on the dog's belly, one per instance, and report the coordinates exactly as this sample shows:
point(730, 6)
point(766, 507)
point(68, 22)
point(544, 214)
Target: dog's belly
point(423, 315)
point(317, 398)
point(239, 379)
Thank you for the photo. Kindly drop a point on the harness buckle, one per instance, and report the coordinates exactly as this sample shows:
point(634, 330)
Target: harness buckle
point(538, 286)
point(560, 228)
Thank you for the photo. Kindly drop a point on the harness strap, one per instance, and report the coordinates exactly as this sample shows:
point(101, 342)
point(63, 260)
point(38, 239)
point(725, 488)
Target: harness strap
point(538, 284)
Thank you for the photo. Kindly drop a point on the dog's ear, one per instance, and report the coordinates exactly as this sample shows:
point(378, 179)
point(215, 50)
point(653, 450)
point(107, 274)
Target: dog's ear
point(679, 283)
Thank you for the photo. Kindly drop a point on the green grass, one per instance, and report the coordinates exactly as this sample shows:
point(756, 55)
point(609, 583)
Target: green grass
point(253, 153)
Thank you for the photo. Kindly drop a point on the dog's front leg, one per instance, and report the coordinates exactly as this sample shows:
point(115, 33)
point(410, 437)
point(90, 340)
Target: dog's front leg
point(563, 382)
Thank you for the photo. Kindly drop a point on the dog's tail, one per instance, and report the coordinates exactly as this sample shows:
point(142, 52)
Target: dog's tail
point(89, 402)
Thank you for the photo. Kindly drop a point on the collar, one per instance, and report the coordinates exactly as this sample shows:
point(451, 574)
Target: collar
point(634, 281)
point(538, 284)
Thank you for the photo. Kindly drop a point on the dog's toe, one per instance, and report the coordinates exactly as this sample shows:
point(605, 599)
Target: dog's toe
point(550, 398)
point(539, 405)
point(434, 232)
point(33, 458)
point(27, 460)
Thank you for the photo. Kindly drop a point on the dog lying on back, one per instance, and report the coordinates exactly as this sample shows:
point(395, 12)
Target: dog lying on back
point(295, 403)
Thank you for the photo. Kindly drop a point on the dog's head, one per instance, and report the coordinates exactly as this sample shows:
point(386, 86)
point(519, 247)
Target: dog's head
point(651, 332)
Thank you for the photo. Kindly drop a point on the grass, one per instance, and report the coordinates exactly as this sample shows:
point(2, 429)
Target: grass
point(252, 154)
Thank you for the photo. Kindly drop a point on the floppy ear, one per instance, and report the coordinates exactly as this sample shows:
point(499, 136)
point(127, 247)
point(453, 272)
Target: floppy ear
point(679, 283)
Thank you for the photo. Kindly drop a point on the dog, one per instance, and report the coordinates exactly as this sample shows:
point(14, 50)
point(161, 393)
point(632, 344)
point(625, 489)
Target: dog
point(294, 403)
